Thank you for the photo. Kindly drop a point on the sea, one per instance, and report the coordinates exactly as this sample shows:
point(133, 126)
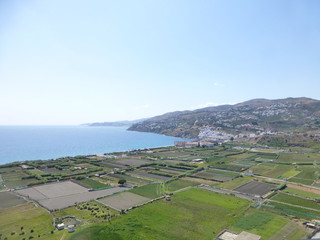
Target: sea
point(21, 143)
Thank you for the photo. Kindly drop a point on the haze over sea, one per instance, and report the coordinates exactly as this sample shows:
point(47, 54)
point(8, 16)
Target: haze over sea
point(20, 143)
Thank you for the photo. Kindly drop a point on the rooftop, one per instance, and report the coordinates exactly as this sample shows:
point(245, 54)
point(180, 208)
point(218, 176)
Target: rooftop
point(247, 236)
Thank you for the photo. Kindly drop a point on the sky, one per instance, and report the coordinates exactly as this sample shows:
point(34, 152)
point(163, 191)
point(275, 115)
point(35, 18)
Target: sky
point(67, 62)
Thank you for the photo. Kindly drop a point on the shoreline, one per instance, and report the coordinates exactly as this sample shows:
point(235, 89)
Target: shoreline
point(32, 143)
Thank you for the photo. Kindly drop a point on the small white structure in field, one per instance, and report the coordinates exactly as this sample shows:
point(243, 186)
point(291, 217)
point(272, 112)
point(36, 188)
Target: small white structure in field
point(70, 228)
point(60, 226)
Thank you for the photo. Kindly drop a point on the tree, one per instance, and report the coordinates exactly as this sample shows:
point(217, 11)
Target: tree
point(122, 181)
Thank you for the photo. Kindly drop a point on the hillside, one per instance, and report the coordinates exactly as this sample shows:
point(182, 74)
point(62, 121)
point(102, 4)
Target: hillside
point(253, 116)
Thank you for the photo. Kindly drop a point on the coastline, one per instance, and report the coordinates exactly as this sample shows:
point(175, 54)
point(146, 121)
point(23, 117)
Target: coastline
point(26, 143)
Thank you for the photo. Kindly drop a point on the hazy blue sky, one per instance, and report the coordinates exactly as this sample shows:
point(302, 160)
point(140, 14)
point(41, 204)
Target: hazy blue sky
point(73, 61)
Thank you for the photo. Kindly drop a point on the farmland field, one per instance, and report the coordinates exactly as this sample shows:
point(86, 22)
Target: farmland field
point(111, 164)
point(266, 225)
point(179, 184)
point(26, 218)
point(244, 162)
point(301, 180)
point(298, 157)
point(12, 178)
point(293, 211)
point(290, 173)
point(200, 181)
point(64, 194)
point(55, 170)
point(255, 188)
point(114, 178)
point(20, 183)
point(302, 193)
point(152, 190)
point(285, 198)
point(243, 155)
point(230, 167)
point(123, 200)
point(265, 155)
point(9, 199)
point(271, 170)
point(149, 175)
point(307, 174)
point(193, 214)
point(235, 183)
point(132, 162)
point(90, 183)
point(216, 175)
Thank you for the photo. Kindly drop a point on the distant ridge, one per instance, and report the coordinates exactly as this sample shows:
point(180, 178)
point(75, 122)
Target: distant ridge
point(114, 124)
point(289, 114)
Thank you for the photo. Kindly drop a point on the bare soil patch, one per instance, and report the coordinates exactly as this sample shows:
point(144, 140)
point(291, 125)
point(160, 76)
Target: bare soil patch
point(255, 188)
point(133, 162)
point(10, 199)
point(123, 200)
point(199, 180)
point(64, 194)
point(110, 164)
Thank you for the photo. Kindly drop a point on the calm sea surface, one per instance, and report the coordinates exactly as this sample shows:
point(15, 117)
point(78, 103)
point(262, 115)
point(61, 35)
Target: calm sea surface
point(19, 143)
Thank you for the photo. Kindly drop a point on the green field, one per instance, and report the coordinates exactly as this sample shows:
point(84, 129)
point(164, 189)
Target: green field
point(301, 180)
point(179, 184)
point(152, 190)
point(227, 166)
point(235, 183)
point(302, 193)
point(259, 222)
point(272, 170)
point(243, 155)
point(265, 155)
point(297, 211)
point(298, 157)
point(227, 173)
point(244, 162)
point(269, 225)
point(192, 214)
point(216, 175)
point(90, 183)
point(285, 198)
point(307, 172)
point(24, 221)
point(290, 173)
point(12, 177)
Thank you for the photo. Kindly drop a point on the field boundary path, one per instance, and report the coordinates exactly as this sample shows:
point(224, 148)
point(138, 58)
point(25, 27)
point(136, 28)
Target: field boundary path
point(184, 189)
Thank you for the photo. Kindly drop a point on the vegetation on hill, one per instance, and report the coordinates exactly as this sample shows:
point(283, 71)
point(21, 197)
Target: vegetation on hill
point(289, 114)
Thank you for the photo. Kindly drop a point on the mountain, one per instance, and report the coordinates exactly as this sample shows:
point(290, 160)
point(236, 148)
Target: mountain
point(253, 116)
point(115, 124)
